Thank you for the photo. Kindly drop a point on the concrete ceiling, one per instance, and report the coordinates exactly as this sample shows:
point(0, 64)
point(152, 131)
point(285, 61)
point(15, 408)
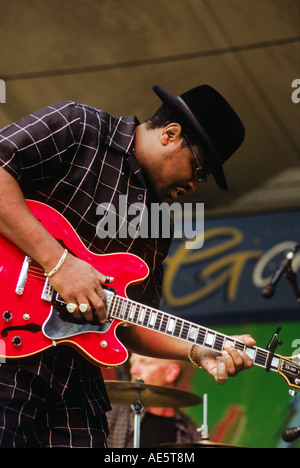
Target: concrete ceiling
point(108, 53)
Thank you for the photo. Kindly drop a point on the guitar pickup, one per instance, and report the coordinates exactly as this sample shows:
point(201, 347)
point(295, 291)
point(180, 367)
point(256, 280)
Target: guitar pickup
point(110, 294)
point(49, 295)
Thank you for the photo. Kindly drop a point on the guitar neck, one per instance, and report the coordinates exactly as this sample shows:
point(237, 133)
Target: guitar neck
point(132, 312)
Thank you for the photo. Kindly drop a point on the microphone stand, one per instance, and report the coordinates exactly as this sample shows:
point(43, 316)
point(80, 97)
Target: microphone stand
point(287, 270)
point(292, 279)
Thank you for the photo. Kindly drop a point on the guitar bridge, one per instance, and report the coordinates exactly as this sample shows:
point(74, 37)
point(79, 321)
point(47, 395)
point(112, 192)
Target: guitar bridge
point(23, 276)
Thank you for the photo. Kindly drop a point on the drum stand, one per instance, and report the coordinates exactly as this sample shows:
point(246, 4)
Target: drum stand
point(137, 408)
point(204, 427)
point(124, 393)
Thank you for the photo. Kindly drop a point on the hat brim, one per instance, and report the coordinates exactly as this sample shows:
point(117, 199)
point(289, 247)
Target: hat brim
point(195, 129)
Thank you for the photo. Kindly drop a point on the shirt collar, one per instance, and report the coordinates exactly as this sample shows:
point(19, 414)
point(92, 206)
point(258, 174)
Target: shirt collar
point(121, 134)
point(121, 138)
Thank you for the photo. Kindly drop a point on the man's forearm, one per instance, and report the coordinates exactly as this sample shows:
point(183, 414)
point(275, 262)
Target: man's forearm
point(18, 224)
point(153, 344)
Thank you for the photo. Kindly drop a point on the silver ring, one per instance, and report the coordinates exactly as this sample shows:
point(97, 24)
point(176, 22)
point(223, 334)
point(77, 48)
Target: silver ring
point(71, 307)
point(83, 307)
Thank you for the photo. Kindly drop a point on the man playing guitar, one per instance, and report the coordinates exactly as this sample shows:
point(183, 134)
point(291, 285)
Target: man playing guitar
point(74, 158)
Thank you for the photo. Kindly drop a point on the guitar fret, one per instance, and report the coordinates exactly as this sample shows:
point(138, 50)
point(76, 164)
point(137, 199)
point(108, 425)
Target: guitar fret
point(219, 342)
point(141, 315)
point(201, 336)
point(184, 331)
point(120, 306)
point(261, 357)
point(171, 325)
point(127, 310)
point(192, 335)
point(132, 312)
point(116, 307)
point(123, 309)
point(158, 321)
point(152, 319)
point(163, 324)
point(209, 339)
point(251, 352)
point(178, 327)
point(239, 345)
point(146, 318)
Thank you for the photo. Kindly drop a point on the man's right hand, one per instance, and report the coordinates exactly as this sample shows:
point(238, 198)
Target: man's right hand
point(78, 282)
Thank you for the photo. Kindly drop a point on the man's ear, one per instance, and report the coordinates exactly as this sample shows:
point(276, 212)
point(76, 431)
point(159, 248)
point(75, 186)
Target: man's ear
point(171, 133)
point(172, 373)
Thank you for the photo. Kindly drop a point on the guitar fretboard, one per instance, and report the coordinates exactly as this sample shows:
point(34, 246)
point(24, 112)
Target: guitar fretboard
point(161, 322)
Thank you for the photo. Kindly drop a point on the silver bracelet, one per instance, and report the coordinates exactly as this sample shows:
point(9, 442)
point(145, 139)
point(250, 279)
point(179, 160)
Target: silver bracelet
point(58, 266)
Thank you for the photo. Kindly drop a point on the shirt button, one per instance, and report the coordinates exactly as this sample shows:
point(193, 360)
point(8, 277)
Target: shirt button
point(140, 197)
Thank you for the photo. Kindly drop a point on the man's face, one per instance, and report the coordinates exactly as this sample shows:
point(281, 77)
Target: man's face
point(150, 370)
point(172, 176)
point(169, 164)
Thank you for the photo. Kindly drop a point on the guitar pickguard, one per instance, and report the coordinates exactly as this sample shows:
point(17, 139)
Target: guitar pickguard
point(58, 326)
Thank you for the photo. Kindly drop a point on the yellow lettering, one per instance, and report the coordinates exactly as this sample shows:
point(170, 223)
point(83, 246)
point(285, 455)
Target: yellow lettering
point(230, 266)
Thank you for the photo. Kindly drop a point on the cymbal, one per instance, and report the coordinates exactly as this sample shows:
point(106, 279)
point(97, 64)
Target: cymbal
point(125, 393)
point(200, 444)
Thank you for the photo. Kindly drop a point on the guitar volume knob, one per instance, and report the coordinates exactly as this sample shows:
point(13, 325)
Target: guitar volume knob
point(17, 341)
point(7, 316)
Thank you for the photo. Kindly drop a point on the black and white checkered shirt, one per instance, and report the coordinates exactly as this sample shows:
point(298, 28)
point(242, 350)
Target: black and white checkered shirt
point(76, 158)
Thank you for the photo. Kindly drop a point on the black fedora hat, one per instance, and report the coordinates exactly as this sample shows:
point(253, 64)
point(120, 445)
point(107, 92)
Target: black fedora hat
point(208, 119)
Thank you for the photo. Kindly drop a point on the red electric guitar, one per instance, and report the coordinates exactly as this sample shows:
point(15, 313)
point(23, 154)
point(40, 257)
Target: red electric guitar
point(33, 316)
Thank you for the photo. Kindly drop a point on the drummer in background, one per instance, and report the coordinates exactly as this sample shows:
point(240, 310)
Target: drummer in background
point(158, 425)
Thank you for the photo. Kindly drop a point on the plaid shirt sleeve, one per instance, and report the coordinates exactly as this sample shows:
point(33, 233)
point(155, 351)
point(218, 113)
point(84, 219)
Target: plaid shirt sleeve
point(39, 145)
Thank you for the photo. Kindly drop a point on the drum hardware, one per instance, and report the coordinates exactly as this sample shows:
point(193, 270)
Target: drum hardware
point(200, 444)
point(204, 441)
point(204, 428)
point(137, 408)
point(139, 395)
point(123, 392)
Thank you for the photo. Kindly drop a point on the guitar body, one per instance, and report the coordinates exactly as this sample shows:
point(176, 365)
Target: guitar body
point(23, 316)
